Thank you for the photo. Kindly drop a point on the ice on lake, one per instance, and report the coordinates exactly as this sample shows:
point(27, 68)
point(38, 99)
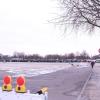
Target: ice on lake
point(34, 69)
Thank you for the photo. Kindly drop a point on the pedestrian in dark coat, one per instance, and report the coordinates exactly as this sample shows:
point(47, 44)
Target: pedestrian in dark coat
point(92, 64)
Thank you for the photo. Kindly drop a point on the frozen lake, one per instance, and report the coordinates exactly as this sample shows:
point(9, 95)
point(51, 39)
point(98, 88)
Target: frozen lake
point(34, 69)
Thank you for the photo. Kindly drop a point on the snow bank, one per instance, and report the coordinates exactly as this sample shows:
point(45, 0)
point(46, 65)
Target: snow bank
point(4, 95)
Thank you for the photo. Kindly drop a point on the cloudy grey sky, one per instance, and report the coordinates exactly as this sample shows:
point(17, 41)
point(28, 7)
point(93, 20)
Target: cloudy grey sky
point(24, 27)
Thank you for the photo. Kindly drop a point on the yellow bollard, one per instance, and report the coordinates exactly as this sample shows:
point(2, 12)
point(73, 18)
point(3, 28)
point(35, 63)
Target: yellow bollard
point(20, 87)
point(7, 83)
point(43, 90)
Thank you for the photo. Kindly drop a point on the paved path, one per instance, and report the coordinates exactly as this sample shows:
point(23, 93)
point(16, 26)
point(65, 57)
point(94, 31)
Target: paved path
point(92, 90)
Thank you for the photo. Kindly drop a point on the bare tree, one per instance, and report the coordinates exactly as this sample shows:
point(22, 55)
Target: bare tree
point(85, 13)
point(71, 56)
point(84, 55)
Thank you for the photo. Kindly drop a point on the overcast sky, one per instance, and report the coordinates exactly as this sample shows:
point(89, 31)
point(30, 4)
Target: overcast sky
point(24, 27)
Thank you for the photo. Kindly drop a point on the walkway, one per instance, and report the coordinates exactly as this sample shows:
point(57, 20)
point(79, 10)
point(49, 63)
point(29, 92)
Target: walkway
point(92, 89)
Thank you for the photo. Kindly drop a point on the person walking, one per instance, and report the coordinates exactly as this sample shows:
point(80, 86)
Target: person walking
point(92, 63)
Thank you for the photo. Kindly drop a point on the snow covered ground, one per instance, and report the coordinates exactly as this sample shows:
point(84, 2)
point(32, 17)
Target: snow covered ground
point(77, 73)
point(4, 95)
point(34, 69)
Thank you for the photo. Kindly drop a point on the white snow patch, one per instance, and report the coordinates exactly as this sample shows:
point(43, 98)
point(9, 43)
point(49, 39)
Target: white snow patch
point(4, 95)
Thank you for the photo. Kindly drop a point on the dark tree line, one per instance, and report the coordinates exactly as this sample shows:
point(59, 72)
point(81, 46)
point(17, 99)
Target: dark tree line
point(21, 57)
